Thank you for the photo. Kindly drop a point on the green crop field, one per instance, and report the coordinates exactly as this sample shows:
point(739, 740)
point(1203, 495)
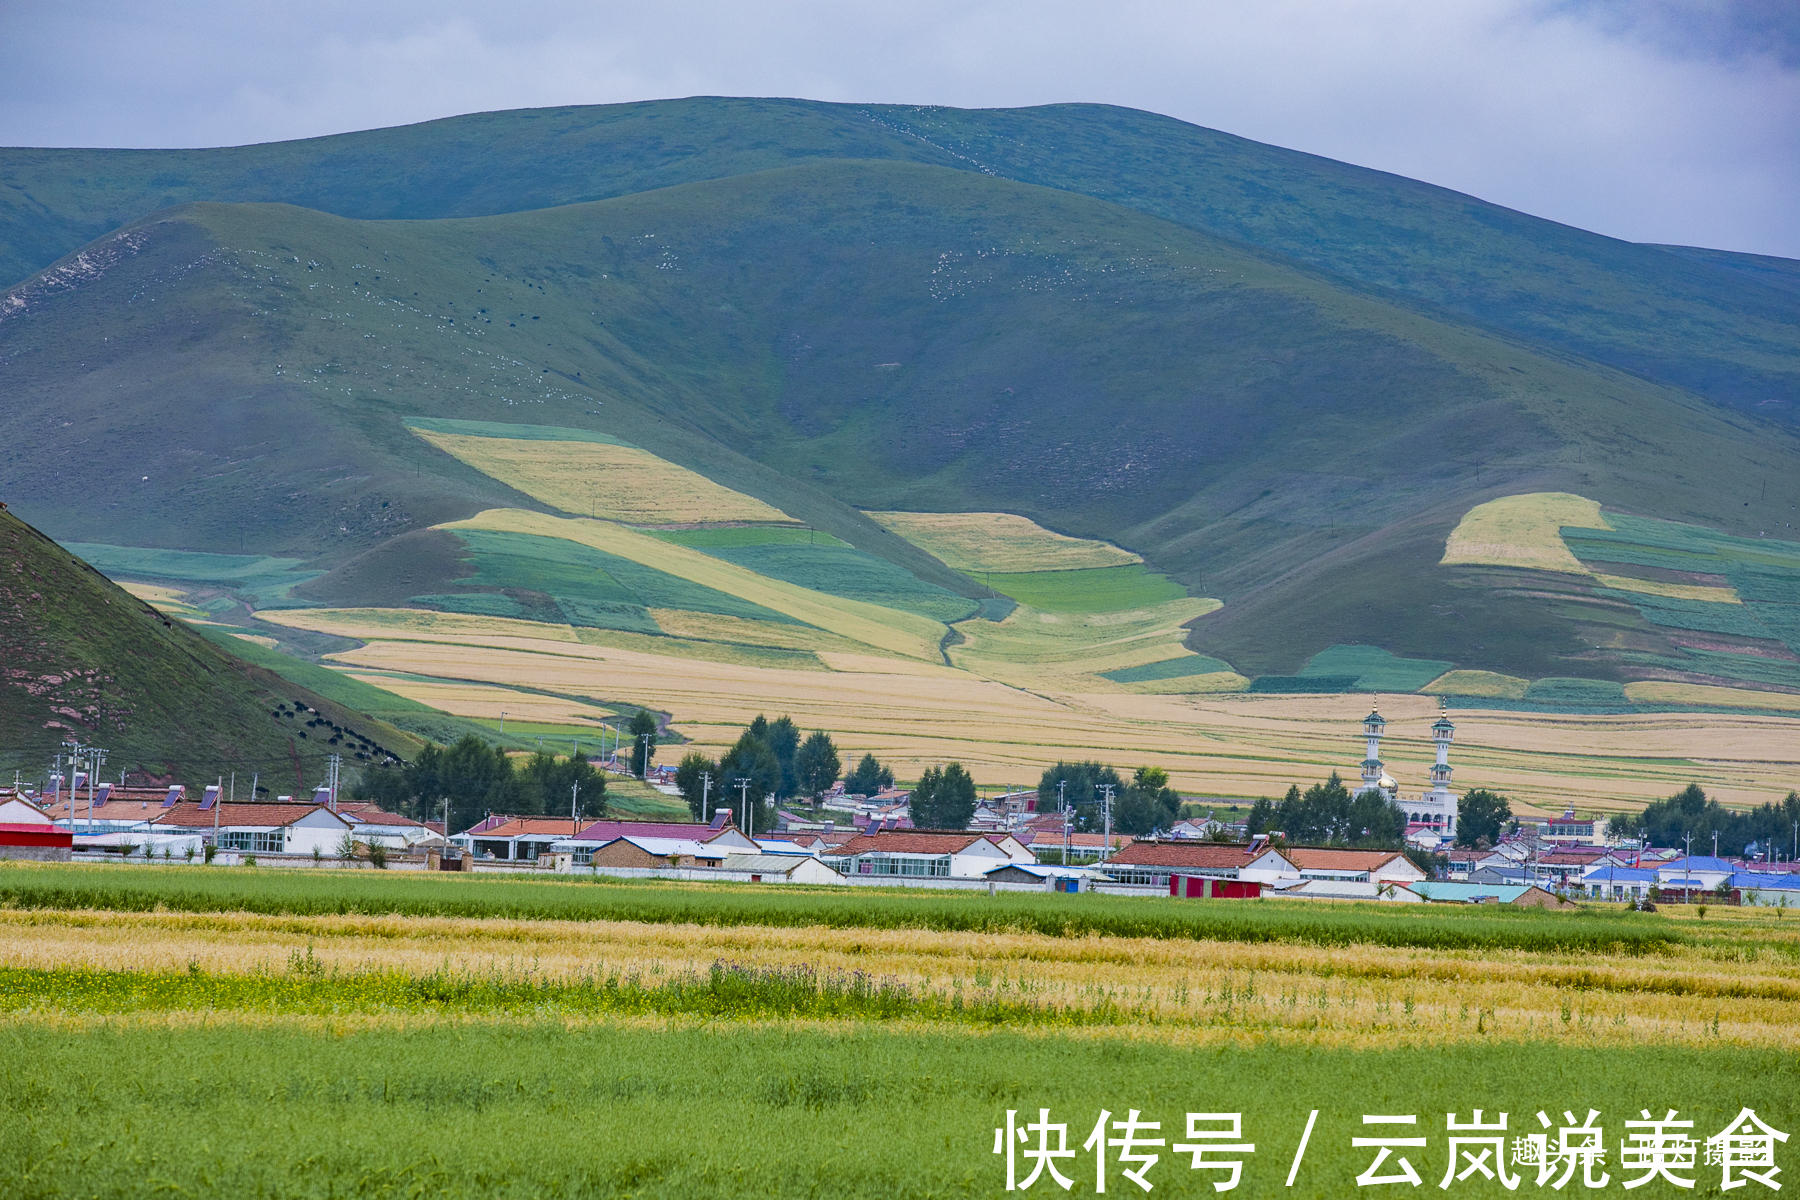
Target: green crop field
point(591, 586)
point(257, 577)
point(852, 574)
point(1375, 669)
point(535, 1108)
point(1094, 589)
point(1168, 668)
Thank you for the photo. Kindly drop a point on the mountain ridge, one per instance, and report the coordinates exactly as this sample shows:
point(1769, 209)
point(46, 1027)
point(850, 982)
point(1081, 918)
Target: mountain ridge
point(1681, 319)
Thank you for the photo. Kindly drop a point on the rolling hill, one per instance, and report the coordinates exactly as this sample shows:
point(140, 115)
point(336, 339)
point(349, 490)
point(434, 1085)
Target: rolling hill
point(1721, 325)
point(724, 404)
point(85, 659)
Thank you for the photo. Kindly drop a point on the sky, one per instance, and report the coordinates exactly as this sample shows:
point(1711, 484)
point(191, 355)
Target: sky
point(1650, 120)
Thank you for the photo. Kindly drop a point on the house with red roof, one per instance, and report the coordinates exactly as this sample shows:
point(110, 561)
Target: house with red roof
point(256, 828)
point(914, 853)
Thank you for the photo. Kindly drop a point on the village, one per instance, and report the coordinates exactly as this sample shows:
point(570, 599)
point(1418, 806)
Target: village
point(869, 840)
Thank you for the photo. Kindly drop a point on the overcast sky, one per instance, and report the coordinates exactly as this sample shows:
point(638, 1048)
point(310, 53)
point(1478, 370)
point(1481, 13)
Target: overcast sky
point(1653, 120)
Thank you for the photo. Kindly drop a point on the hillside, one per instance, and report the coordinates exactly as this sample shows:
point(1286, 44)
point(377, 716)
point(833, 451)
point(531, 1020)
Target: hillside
point(1695, 319)
point(85, 659)
point(826, 340)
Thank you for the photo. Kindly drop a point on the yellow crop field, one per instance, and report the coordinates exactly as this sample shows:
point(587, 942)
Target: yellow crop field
point(1354, 995)
point(1679, 591)
point(977, 542)
point(885, 628)
point(166, 600)
point(1658, 691)
point(1039, 649)
point(915, 715)
point(712, 627)
point(1523, 531)
point(485, 701)
point(619, 483)
point(1477, 683)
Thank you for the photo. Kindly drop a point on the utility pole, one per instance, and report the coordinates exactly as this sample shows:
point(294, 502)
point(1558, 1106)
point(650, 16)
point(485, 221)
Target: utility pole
point(1715, 843)
point(332, 764)
point(645, 739)
point(705, 790)
point(502, 722)
point(574, 819)
point(743, 782)
point(1106, 791)
point(1062, 802)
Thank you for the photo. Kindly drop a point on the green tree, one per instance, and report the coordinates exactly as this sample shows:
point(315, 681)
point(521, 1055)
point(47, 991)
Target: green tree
point(1480, 816)
point(1084, 780)
point(690, 781)
point(868, 778)
point(943, 799)
point(1691, 813)
point(750, 760)
point(1148, 803)
point(816, 764)
point(554, 787)
point(643, 742)
point(1327, 814)
point(477, 778)
point(783, 738)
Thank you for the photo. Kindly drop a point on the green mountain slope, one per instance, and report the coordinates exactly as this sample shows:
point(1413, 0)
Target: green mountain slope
point(1694, 320)
point(843, 336)
point(80, 657)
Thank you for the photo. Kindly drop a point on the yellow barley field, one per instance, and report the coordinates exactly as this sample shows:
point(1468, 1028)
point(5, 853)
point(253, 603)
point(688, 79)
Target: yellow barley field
point(1523, 531)
point(619, 483)
point(1657, 691)
point(1477, 683)
point(1678, 591)
point(977, 542)
point(1355, 993)
point(1048, 651)
point(1223, 745)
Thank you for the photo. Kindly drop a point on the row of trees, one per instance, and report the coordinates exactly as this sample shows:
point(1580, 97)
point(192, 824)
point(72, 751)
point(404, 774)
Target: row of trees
point(1144, 805)
point(768, 762)
point(1692, 813)
point(478, 778)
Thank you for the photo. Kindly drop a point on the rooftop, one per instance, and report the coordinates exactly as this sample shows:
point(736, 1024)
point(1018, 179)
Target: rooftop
point(189, 815)
point(1200, 855)
point(913, 841)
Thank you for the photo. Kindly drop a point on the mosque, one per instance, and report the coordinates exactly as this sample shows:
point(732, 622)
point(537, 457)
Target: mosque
point(1434, 809)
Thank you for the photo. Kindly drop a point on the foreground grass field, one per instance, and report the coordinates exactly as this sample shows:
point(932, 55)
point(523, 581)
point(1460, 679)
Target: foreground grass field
point(683, 1109)
point(315, 1034)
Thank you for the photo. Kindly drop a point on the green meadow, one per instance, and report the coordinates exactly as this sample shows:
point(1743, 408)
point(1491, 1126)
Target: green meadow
point(1094, 589)
point(100, 1107)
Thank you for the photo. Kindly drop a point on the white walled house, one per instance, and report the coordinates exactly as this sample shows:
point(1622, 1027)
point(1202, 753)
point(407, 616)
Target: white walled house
point(258, 828)
point(916, 853)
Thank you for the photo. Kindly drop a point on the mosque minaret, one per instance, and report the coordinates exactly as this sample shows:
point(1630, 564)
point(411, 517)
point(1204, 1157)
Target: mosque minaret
point(1434, 809)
